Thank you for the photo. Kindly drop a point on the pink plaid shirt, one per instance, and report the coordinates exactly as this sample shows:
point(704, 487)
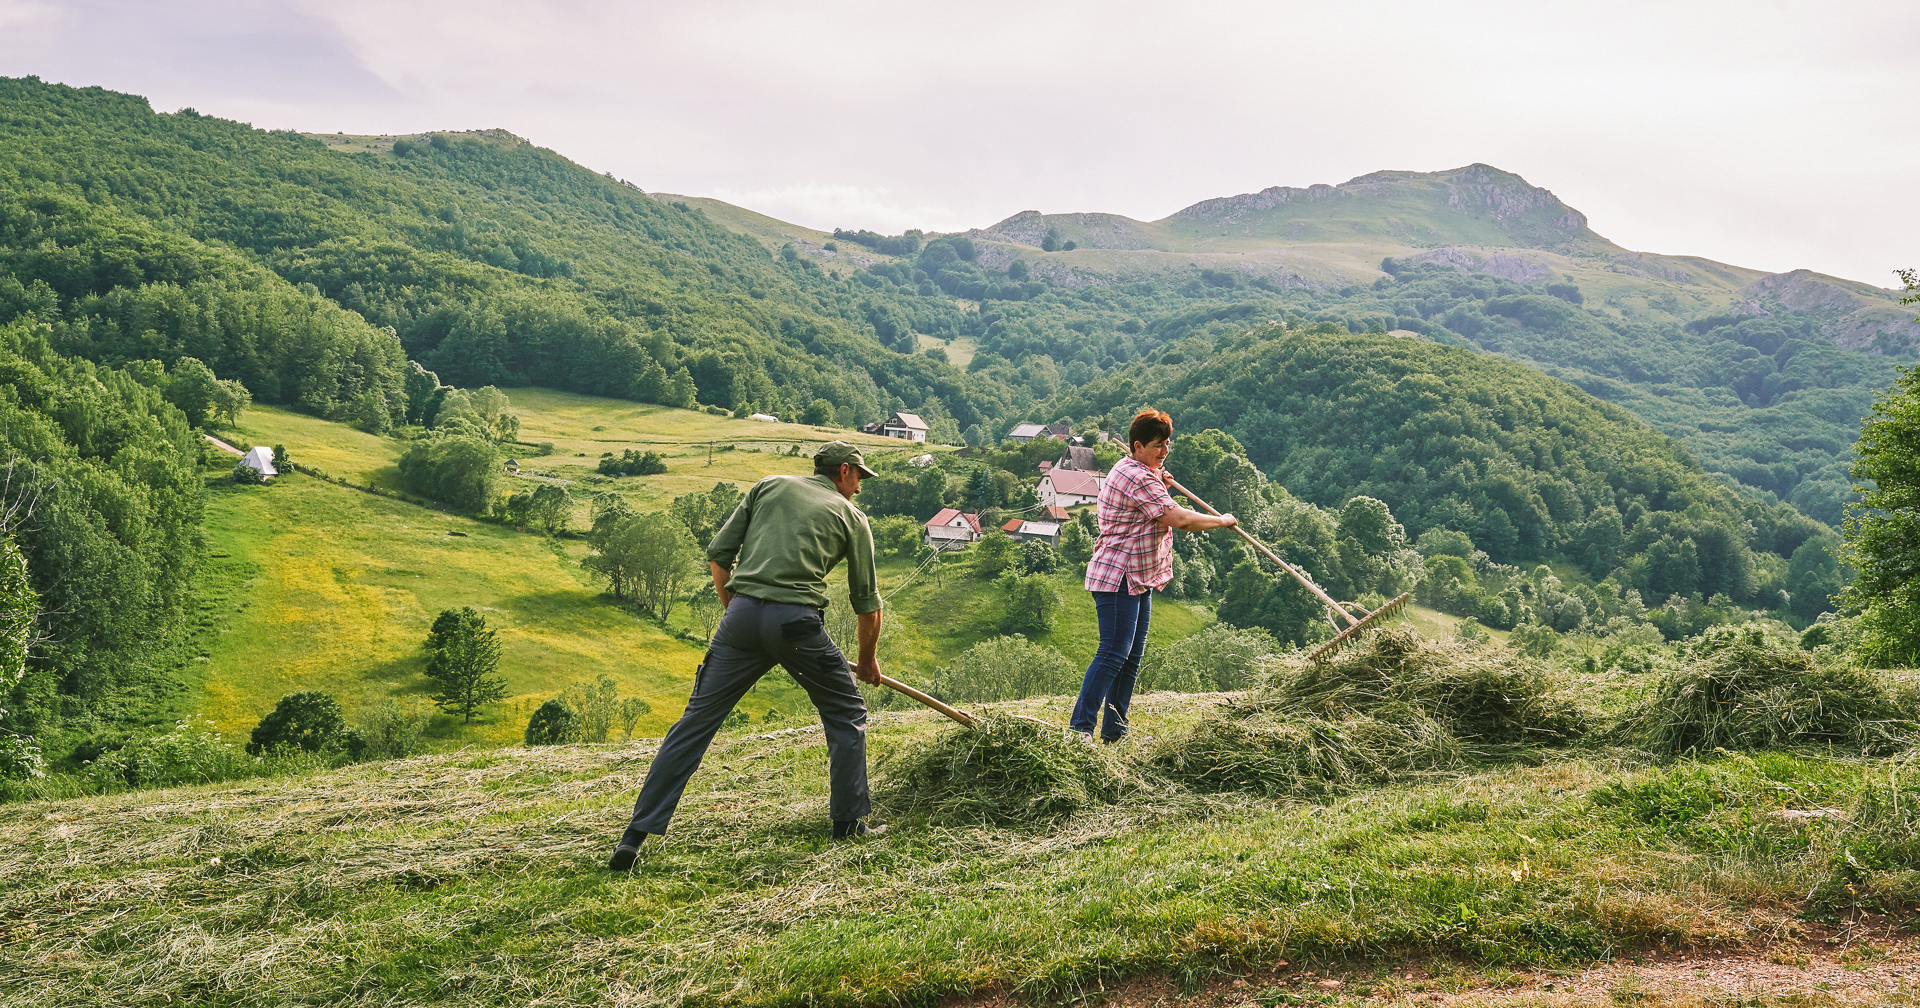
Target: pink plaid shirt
point(1131, 545)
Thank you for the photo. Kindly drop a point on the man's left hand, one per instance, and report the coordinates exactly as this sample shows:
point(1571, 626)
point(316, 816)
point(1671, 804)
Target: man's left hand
point(867, 671)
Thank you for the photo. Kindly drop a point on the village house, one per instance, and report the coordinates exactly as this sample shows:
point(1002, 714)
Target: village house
point(1068, 488)
point(906, 426)
point(1026, 432)
point(950, 529)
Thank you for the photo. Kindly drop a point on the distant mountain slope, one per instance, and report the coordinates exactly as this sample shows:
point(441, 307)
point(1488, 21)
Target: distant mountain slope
point(1761, 375)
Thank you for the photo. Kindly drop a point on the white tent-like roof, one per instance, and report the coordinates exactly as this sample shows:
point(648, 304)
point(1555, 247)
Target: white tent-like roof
point(260, 459)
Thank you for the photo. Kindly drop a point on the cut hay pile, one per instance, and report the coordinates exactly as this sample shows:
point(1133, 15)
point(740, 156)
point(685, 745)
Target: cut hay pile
point(1005, 771)
point(1399, 706)
point(1746, 689)
point(1484, 696)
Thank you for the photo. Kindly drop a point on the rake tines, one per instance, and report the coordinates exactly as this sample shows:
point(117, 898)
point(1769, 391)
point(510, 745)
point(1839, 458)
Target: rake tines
point(1368, 622)
point(1340, 643)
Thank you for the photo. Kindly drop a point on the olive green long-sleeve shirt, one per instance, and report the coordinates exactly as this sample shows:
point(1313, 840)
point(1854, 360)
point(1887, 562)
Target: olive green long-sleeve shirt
point(787, 535)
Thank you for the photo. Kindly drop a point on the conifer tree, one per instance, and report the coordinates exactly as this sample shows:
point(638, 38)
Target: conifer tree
point(463, 661)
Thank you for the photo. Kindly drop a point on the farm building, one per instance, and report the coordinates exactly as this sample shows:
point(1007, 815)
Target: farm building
point(905, 425)
point(260, 460)
point(951, 529)
point(1023, 531)
point(1068, 488)
point(1076, 457)
point(1027, 432)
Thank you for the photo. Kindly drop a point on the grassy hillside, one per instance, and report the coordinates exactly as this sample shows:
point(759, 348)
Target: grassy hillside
point(476, 879)
point(362, 576)
point(343, 585)
point(699, 448)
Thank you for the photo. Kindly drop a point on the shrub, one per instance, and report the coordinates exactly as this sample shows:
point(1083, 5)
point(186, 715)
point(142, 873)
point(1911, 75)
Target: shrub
point(1037, 557)
point(1220, 657)
point(309, 720)
point(633, 463)
point(246, 475)
point(393, 731)
point(553, 724)
point(1007, 668)
point(1032, 603)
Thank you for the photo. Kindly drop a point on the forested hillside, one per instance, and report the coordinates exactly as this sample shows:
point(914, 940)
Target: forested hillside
point(492, 261)
point(1452, 441)
point(103, 497)
point(1763, 377)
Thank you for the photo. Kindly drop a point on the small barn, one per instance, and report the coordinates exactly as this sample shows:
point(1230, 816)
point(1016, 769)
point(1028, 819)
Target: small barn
point(950, 529)
point(1033, 531)
point(260, 460)
point(1068, 488)
point(1027, 431)
point(1076, 457)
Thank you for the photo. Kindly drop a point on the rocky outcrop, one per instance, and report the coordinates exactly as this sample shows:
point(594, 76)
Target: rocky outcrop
point(1855, 316)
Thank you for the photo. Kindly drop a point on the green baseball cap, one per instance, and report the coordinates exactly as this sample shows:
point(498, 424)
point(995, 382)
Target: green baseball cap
point(833, 454)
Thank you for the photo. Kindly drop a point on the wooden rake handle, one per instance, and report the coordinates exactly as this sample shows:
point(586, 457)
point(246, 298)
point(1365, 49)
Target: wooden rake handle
point(1298, 575)
point(960, 716)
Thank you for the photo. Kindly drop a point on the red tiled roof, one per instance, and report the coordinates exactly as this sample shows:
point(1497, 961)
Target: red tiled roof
point(1057, 513)
point(1013, 525)
point(947, 515)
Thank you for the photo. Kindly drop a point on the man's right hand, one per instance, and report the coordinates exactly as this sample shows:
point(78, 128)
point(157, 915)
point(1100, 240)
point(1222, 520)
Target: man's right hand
point(867, 671)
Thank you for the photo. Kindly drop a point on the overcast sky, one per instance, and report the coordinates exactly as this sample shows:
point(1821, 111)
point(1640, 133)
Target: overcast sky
point(1775, 134)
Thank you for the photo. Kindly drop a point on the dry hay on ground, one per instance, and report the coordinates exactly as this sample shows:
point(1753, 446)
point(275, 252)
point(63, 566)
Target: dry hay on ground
point(1006, 771)
point(1747, 689)
point(1483, 695)
point(1401, 705)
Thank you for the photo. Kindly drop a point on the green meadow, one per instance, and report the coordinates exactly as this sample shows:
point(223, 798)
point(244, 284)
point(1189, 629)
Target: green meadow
point(342, 586)
point(700, 449)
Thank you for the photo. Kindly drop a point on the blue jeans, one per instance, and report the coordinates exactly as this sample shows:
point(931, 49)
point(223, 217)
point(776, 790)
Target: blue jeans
point(1109, 682)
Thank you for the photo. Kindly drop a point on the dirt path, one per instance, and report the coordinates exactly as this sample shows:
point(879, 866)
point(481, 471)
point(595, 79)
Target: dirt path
point(222, 445)
point(1847, 968)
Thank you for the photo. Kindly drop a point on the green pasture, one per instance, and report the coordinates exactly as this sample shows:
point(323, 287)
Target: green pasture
point(333, 448)
point(700, 449)
point(478, 879)
point(344, 585)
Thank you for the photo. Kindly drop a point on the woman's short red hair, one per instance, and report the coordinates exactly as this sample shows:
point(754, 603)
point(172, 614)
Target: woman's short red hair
point(1149, 425)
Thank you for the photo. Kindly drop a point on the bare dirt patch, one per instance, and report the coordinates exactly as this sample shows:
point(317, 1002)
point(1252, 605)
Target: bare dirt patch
point(1855, 965)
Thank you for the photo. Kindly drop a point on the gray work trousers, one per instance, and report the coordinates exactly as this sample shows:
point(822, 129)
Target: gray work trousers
point(752, 638)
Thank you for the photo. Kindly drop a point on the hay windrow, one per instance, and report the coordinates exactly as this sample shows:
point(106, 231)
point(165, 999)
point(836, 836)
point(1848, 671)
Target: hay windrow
point(1482, 695)
point(1746, 689)
point(1005, 771)
point(1397, 707)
